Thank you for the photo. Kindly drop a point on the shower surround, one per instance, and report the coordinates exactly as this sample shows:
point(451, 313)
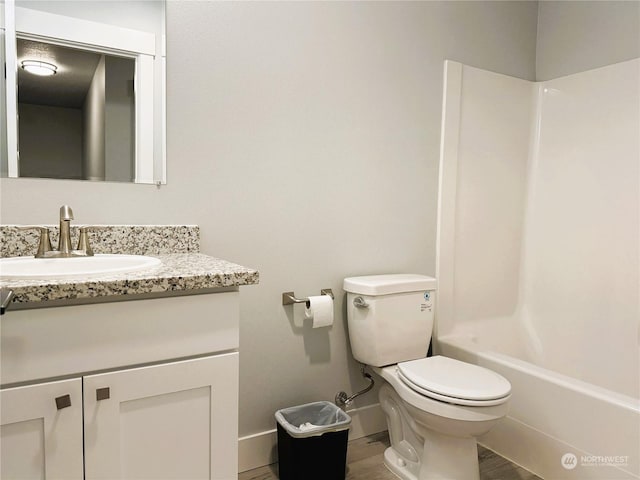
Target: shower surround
point(538, 260)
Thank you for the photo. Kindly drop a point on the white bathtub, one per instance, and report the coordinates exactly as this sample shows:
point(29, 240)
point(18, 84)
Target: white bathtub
point(552, 415)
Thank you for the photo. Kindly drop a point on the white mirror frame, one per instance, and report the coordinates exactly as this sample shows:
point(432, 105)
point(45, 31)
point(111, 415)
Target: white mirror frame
point(94, 36)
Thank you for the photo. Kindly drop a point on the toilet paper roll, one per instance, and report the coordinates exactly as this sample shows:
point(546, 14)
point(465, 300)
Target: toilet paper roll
point(320, 310)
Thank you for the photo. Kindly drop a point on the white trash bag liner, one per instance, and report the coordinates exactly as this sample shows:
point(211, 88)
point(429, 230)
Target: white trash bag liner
point(313, 419)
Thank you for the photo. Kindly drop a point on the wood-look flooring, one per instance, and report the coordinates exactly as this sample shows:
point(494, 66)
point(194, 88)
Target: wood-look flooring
point(364, 462)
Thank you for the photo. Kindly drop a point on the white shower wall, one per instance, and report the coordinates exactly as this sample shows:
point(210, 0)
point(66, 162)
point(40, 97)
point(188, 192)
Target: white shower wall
point(581, 259)
point(539, 224)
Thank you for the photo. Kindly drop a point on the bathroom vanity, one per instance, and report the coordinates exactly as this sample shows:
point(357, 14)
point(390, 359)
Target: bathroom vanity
point(124, 376)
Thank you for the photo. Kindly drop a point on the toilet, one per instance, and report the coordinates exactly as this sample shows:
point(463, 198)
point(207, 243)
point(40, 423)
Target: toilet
point(436, 406)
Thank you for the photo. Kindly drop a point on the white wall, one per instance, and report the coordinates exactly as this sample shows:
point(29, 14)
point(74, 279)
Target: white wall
point(303, 138)
point(119, 118)
point(574, 36)
point(144, 15)
point(93, 109)
point(50, 141)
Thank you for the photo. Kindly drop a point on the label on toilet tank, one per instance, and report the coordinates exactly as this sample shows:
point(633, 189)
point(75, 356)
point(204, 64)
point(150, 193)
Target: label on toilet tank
point(427, 303)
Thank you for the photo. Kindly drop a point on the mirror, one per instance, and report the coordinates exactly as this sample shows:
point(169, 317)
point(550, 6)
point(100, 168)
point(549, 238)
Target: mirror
point(79, 123)
point(84, 93)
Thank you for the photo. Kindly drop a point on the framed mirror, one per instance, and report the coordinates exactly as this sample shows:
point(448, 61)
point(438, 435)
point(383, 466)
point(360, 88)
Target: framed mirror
point(84, 95)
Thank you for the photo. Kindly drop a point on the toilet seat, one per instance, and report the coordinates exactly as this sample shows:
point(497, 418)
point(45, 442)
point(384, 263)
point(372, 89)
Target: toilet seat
point(452, 381)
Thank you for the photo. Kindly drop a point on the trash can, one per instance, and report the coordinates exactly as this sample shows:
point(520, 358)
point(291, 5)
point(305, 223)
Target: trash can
point(312, 442)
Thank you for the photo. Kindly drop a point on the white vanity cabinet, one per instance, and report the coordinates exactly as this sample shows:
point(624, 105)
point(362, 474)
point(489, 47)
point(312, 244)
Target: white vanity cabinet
point(152, 387)
point(172, 421)
point(39, 436)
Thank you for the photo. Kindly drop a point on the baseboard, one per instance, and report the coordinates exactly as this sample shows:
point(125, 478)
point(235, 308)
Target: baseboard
point(366, 421)
point(257, 450)
point(261, 448)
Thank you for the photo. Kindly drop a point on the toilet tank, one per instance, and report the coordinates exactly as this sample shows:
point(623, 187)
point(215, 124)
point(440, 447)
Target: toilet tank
point(390, 317)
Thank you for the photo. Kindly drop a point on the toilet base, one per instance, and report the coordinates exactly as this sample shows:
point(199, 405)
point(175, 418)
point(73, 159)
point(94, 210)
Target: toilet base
point(398, 465)
point(421, 453)
point(461, 465)
point(449, 458)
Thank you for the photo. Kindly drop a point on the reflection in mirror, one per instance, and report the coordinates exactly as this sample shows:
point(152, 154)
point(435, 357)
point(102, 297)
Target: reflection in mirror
point(3, 97)
point(84, 90)
point(77, 115)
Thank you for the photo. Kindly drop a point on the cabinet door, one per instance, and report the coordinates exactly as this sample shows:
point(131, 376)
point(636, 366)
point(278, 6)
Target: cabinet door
point(41, 431)
point(171, 421)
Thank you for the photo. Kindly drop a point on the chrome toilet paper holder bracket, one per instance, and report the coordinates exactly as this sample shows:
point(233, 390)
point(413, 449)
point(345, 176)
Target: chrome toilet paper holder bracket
point(289, 298)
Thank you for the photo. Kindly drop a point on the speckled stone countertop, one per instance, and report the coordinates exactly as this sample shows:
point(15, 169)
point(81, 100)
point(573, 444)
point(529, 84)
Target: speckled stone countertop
point(183, 268)
point(129, 239)
point(178, 272)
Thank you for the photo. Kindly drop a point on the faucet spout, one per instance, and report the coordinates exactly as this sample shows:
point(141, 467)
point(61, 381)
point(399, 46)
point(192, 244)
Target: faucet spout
point(66, 213)
point(64, 243)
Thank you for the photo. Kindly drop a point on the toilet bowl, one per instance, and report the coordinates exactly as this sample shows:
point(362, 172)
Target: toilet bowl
point(442, 434)
point(435, 406)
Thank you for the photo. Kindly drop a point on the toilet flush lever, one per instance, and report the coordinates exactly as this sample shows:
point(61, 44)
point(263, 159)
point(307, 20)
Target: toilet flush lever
point(360, 302)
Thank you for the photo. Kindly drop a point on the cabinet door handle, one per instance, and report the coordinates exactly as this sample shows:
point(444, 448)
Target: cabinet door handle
point(103, 393)
point(63, 402)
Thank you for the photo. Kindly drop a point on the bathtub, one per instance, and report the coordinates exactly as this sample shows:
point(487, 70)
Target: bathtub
point(558, 427)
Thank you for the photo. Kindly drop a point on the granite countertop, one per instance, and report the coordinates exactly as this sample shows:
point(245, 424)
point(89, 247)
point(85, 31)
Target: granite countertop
point(183, 269)
point(178, 272)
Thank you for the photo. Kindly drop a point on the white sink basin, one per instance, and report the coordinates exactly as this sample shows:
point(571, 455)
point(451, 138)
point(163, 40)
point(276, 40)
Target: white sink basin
point(23, 268)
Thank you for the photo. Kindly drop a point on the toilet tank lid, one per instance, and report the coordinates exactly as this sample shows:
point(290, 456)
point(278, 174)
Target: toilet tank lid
point(389, 284)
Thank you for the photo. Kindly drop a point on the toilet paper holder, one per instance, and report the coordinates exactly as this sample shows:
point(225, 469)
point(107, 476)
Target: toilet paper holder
point(289, 298)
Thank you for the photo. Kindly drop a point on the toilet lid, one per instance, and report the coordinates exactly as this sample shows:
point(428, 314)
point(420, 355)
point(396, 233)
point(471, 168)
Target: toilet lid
point(447, 377)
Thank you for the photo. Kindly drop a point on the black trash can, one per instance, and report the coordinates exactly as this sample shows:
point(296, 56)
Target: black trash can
point(312, 442)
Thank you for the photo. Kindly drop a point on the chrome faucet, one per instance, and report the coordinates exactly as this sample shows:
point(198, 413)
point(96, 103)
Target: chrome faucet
point(64, 249)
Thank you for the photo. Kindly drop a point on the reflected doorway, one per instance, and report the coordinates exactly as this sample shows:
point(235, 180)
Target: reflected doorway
point(78, 122)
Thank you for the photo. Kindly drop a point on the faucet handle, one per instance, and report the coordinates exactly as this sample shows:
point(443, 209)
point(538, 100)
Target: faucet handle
point(83, 239)
point(44, 244)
